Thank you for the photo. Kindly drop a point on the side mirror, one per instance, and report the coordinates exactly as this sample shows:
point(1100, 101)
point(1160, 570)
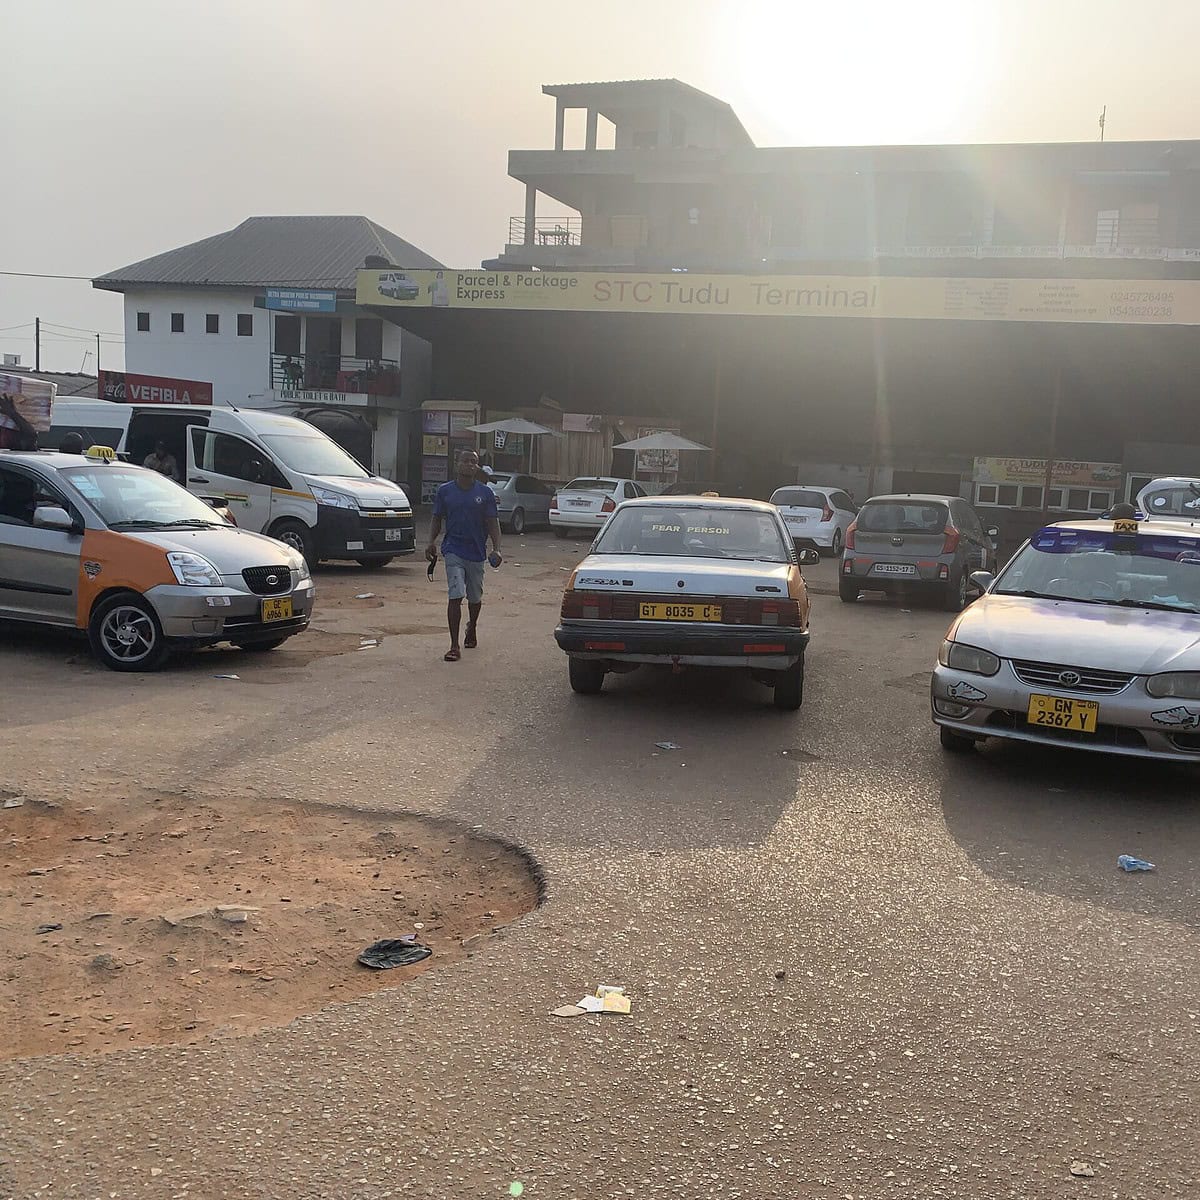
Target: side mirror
point(808, 557)
point(992, 531)
point(53, 517)
point(982, 580)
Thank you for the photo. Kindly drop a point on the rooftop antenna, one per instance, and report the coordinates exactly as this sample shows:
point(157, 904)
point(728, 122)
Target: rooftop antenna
point(83, 365)
point(1103, 114)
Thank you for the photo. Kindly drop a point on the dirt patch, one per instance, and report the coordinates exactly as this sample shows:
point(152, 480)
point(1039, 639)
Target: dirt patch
point(142, 922)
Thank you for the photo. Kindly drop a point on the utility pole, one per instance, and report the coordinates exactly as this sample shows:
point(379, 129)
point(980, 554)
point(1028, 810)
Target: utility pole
point(37, 343)
point(97, 356)
point(1103, 114)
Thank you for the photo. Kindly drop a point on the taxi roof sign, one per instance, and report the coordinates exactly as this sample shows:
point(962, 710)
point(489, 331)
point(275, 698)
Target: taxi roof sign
point(101, 454)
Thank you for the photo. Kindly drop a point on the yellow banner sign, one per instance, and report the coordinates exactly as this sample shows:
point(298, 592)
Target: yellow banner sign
point(1033, 470)
point(1123, 302)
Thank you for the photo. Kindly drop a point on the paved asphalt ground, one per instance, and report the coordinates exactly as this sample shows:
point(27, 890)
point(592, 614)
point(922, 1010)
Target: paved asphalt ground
point(974, 996)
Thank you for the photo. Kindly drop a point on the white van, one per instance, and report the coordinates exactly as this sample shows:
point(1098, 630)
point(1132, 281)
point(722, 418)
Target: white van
point(277, 474)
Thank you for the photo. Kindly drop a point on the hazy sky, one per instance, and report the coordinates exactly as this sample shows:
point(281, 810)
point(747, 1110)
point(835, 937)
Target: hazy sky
point(133, 126)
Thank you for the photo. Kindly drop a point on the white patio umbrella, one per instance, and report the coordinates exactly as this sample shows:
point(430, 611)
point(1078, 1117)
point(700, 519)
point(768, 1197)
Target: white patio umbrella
point(661, 441)
point(516, 426)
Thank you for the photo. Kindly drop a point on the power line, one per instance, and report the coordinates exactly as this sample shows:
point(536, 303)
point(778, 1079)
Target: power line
point(27, 325)
point(78, 329)
point(42, 275)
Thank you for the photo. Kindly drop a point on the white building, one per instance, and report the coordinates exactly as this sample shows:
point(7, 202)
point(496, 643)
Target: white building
point(264, 316)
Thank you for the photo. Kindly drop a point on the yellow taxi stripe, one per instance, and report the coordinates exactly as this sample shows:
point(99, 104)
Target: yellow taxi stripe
point(284, 492)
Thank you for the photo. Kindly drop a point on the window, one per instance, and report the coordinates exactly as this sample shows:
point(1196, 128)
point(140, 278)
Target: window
point(843, 502)
point(245, 325)
point(287, 335)
point(368, 338)
point(20, 494)
point(985, 493)
point(630, 491)
point(177, 322)
point(1056, 497)
point(143, 322)
point(1031, 497)
point(790, 497)
point(1099, 501)
point(224, 454)
point(1077, 499)
point(1006, 495)
point(212, 323)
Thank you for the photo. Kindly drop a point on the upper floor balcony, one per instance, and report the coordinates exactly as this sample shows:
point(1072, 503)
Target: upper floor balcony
point(328, 372)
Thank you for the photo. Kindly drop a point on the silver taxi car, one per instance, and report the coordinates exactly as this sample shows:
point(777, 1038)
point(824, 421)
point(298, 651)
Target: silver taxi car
point(1089, 637)
point(138, 562)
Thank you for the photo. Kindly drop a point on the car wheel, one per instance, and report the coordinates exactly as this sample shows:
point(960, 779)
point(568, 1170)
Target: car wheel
point(789, 687)
point(297, 535)
point(587, 675)
point(269, 644)
point(125, 634)
point(517, 521)
point(955, 743)
point(954, 598)
point(373, 562)
point(838, 542)
point(848, 589)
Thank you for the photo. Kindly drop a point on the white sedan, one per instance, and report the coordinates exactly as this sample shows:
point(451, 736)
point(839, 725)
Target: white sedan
point(584, 504)
point(1090, 637)
point(689, 582)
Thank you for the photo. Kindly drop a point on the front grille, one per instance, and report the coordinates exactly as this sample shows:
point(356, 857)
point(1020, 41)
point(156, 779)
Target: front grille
point(268, 581)
point(1105, 735)
point(255, 624)
point(1091, 681)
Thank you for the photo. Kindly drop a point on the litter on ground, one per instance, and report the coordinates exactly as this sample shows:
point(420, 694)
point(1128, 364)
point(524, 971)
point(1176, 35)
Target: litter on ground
point(1128, 863)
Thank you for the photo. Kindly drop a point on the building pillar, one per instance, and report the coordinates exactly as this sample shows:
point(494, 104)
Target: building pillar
point(590, 141)
point(560, 123)
point(664, 128)
point(530, 212)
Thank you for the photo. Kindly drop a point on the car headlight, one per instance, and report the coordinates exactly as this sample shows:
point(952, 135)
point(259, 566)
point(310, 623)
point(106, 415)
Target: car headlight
point(1184, 685)
point(300, 565)
point(193, 570)
point(962, 657)
point(332, 499)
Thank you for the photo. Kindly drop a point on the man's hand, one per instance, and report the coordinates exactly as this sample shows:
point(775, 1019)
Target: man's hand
point(7, 405)
point(431, 552)
point(497, 558)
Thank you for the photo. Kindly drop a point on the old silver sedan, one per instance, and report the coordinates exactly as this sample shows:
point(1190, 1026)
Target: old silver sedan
point(1090, 637)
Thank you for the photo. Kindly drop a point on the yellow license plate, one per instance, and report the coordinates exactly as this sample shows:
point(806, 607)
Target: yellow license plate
point(1057, 712)
point(277, 610)
point(681, 612)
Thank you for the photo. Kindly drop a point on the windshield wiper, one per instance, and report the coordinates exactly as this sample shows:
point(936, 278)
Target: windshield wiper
point(1128, 602)
point(1029, 593)
point(188, 523)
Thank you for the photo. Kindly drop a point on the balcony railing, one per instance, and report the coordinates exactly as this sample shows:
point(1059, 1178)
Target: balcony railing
point(1117, 232)
point(547, 231)
point(335, 373)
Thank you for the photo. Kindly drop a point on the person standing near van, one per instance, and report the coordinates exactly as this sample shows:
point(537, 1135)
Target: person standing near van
point(16, 433)
point(467, 510)
point(162, 461)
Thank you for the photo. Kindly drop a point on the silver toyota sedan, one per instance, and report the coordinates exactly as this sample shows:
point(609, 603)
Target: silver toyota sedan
point(1090, 637)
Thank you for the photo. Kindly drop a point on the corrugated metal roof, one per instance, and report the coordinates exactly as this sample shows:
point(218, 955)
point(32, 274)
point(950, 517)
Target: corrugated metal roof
point(274, 251)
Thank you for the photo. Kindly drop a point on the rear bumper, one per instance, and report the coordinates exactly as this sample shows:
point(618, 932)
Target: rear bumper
point(723, 646)
point(346, 533)
point(814, 533)
point(866, 572)
point(577, 520)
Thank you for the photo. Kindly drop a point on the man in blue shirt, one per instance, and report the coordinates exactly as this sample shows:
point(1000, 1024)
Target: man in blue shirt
point(467, 509)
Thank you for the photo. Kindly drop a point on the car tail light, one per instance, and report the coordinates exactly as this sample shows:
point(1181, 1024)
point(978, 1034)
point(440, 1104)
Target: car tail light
point(951, 543)
point(587, 606)
point(609, 505)
point(554, 501)
point(774, 612)
point(827, 513)
point(850, 535)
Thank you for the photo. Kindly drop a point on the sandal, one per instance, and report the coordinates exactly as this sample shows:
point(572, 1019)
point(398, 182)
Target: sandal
point(452, 655)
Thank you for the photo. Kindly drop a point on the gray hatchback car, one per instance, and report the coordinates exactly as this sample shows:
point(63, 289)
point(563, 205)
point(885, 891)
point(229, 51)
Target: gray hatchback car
point(916, 543)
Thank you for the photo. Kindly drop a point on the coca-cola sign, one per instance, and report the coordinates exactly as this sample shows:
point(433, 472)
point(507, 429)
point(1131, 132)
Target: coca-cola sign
point(124, 387)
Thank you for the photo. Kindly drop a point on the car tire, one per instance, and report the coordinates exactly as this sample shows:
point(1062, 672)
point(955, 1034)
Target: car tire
point(298, 536)
point(955, 743)
point(789, 687)
point(373, 562)
point(269, 644)
point(125, 634)
point(516, 522)
point(587, 675)
point(560, 531)
point(848, 590)
point(838, 543)
point(954, 596)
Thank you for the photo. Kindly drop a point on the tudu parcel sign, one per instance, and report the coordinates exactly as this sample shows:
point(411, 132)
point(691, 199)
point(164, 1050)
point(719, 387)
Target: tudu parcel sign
point(124, 387)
